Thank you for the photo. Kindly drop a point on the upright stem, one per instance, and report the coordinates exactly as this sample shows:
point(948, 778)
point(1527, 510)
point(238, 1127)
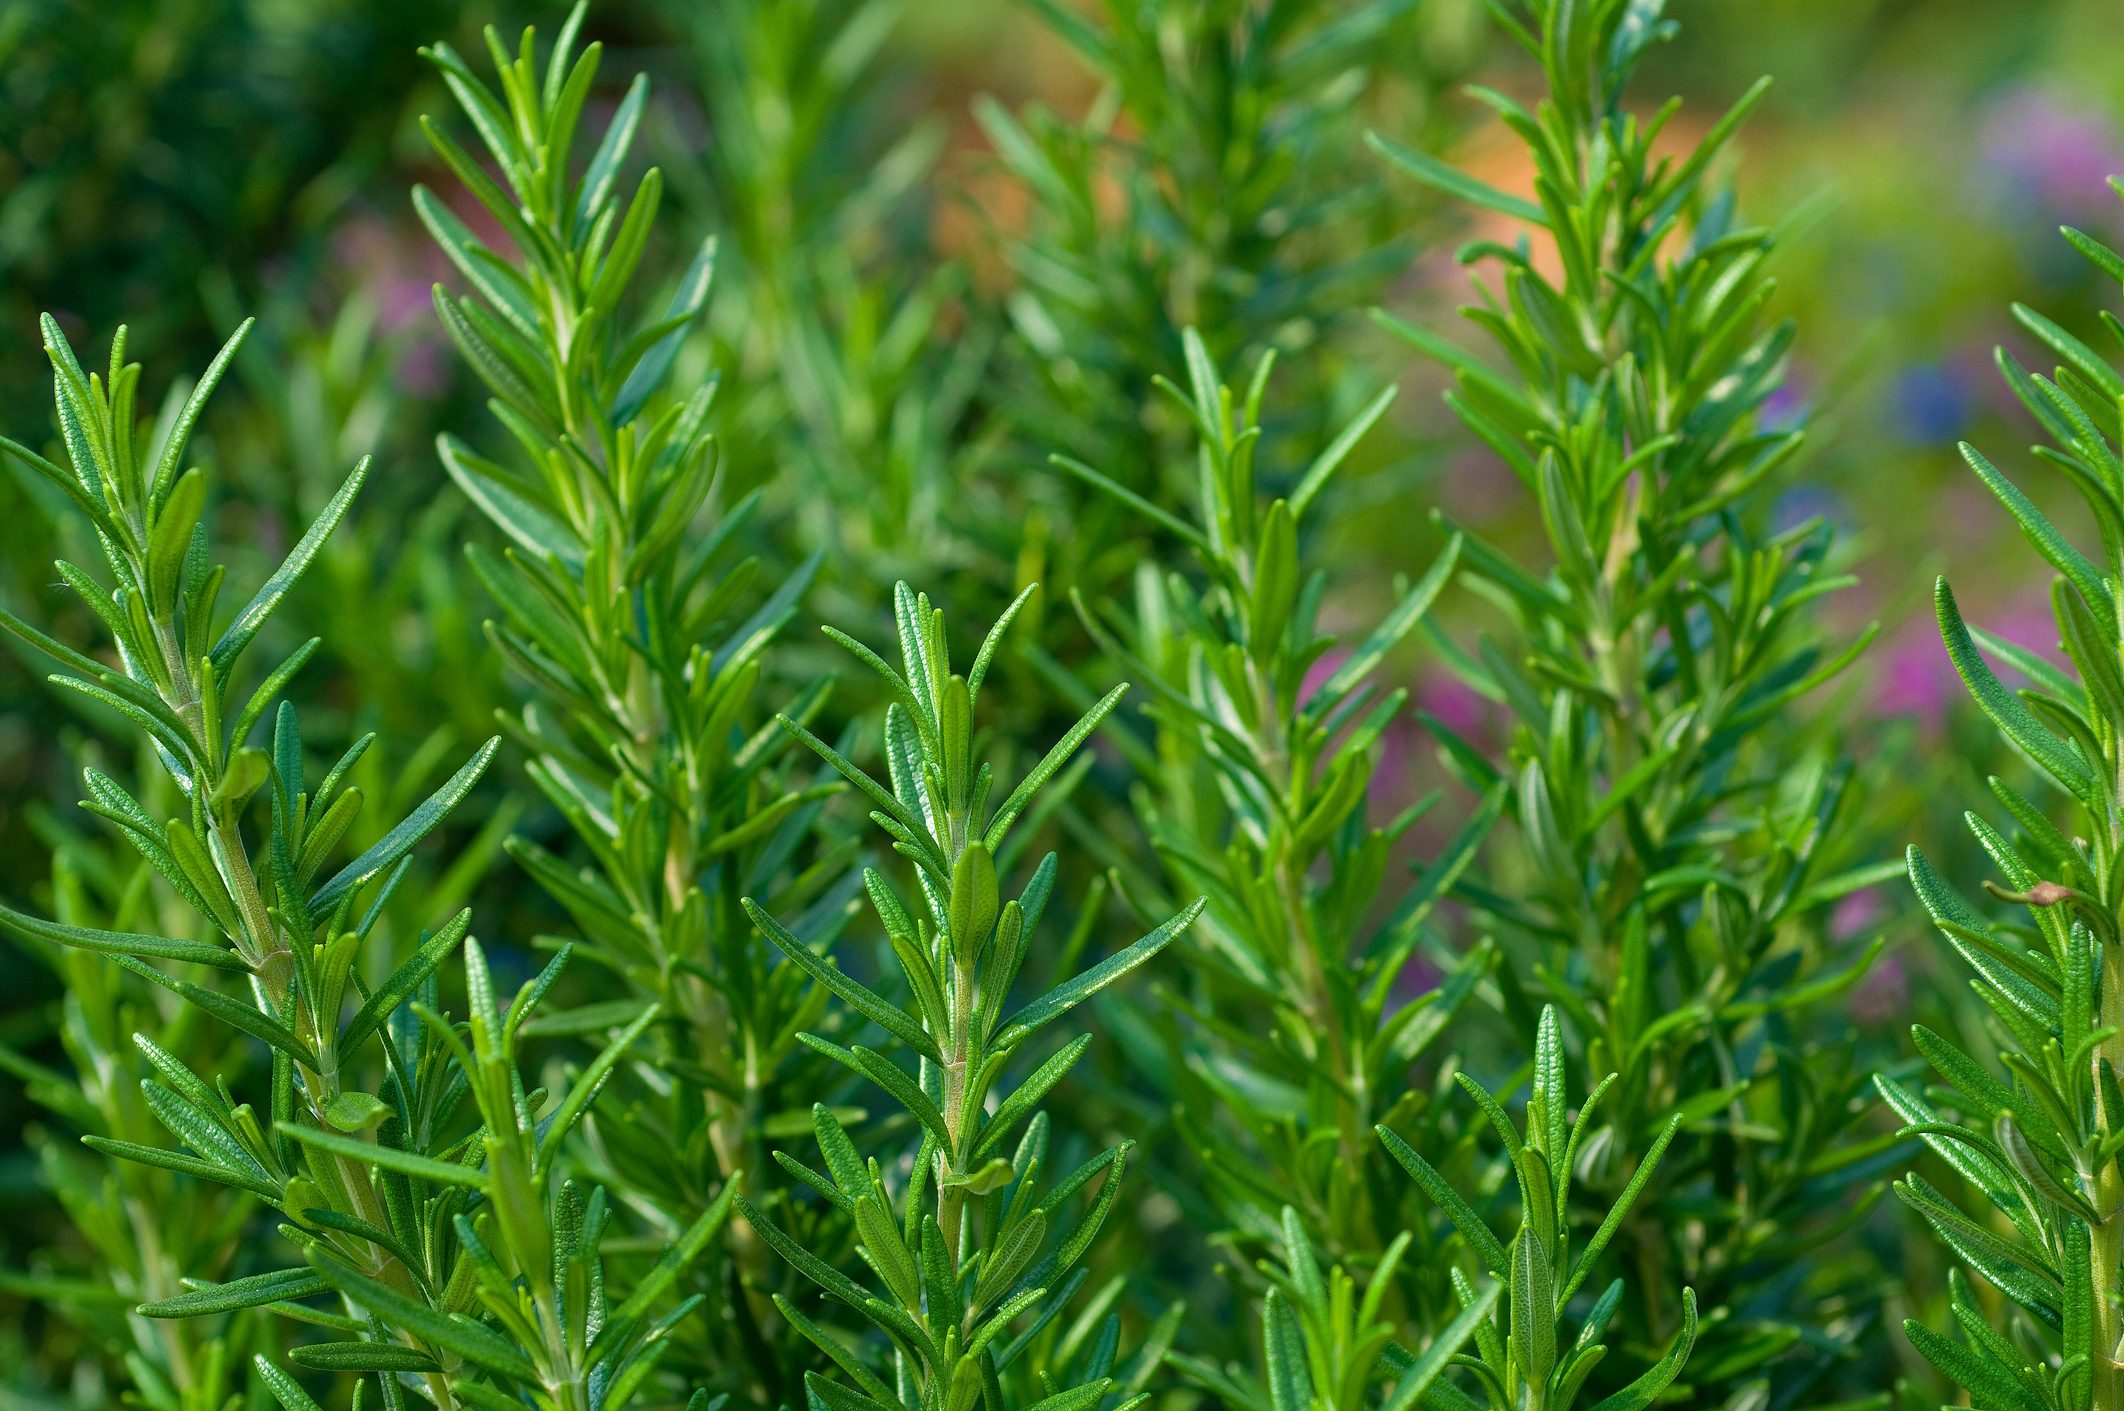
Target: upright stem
point(184, 698)
point(951, 1200)
point(1353, 1133)
point(1320, 1005)
point(2106, 1240)
point(268, 950)
point(565, 1380)
point(2107, 1262)
point(159, 1280)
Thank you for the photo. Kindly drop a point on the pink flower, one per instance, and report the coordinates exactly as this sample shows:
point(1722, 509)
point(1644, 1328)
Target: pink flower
point(2040, 148)
point(1455, 704)
point(1917, 678)
point(1884, 995)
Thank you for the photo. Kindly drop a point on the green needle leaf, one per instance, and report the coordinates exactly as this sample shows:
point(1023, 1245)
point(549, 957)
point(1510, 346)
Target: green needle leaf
point(2054, 756)
point(405, 1163)
point(1068, 995)
point(887, 1016)
point(402, 839)
point(247, 622)
point(121, 943)
point(253, 1292)
point(1454, 182)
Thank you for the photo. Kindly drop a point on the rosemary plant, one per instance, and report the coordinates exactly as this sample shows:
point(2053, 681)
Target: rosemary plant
point(975, 1249)
point(1528, 1361)
point(1267, 739)
point(642, 649)
point(2040, 1140)
point(288, 1135)
point(1220, 125)
point(131, 1232)
point(418, 1223)
point(1323, 1341)
point(141, 1229)
point(1680, 837)
point(853, 351)
point(1214, 184)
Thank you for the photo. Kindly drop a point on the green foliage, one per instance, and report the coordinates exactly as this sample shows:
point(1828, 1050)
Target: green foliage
point(1267, 738)
point(148, 1229)
point(2037, 1131)
point(1215, 184)
point(165, 149)
point(1240, 210)
point(1527, 1357)
point(641, 644)
point(853, 354)
point(290, 1136)
point(978, 1250)
point(1324, 1342)
point(387, 1198)
point(109, 1235)
point(1679, 838)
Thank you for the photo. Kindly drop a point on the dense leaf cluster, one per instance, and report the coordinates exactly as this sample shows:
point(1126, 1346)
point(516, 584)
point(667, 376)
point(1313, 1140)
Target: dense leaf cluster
point(806, 1073)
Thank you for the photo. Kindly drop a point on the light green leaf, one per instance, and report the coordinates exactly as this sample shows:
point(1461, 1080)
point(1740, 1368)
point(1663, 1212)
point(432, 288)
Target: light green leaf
point(247, 622)
point(401, 839)
point(1068, 995)
point(1454, 182)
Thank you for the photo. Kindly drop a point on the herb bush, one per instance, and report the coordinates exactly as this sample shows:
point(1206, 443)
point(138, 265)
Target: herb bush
point(553, 926)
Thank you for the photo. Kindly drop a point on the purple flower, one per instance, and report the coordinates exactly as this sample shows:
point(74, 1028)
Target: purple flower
point(398, 269)
point(1855, 912)
point(1917, 678)
point(1785, 409)
point(422, 370)
point(1932, 402)
point(1884, 995)
point(2037, 148)
point(397, 273)
point(1454, 702)
point(1418, 978)
point(1804, 502)
point(1318, 673)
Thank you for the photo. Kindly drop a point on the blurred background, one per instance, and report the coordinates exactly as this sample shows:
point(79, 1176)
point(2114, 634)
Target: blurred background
point(179, 164)
point(176, 164)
